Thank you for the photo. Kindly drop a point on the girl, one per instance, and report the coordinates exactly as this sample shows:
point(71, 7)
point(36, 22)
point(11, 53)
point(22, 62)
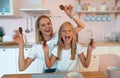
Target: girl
point(68, 51)
point(44, 33)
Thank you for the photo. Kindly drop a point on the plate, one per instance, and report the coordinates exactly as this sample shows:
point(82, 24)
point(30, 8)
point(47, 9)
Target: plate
point(74, 75)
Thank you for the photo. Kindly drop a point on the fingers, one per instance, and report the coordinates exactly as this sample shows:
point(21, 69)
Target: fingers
point(44, 43)
point(70, 7)
point(62, 7)
point(92, 44)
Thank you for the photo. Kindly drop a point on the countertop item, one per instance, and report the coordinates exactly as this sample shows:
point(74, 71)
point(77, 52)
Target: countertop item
point(7, 38)
point(1, 32)
point(113, 72)
point(14, 44)
point(94, 74)
point(74, 75)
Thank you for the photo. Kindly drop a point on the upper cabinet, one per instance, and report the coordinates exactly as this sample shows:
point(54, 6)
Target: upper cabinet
point(34, 12)
point(17, 7)
point(9, 8)
point(33, 7)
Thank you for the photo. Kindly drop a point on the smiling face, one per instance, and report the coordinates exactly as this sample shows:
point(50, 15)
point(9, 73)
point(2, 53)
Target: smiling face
point(67, 33)
point(45, 27)
point(67, 39)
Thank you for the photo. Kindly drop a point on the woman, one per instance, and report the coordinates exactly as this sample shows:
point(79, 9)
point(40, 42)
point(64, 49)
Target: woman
point(44, 34)
point(68, 52)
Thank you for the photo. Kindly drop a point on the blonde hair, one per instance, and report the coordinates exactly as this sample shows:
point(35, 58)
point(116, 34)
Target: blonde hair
point(39, 36)
point(61, 43)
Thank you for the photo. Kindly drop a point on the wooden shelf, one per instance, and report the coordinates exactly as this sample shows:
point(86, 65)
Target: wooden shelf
point(98, 11)
point(35, 11)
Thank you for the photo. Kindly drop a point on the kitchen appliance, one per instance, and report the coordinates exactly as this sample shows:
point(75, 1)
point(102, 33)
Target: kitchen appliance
point(7, 38)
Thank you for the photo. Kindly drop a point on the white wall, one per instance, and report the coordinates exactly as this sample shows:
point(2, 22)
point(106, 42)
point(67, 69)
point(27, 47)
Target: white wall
point(99, 29)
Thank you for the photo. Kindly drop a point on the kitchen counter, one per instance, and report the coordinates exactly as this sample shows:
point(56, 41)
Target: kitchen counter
point(15, 45)
point(95, 74)
point(103, 44)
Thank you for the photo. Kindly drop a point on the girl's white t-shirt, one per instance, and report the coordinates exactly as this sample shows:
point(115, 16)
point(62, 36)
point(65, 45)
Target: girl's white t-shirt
point(37, 51)
point(66, 64)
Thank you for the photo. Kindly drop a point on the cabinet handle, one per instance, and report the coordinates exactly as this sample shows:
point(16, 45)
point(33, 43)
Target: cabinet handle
point(4, 50)
point(26, 49)
point(94, 56)
point(2, 13)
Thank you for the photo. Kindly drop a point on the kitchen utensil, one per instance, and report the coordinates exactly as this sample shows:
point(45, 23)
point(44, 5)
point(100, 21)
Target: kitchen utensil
point(31, 23)
point(27, 30)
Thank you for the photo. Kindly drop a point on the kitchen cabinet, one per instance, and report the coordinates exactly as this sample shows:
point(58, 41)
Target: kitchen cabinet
point(115, 50)
point(33, 66)
point(34, 8)
point(7, 61)
point(35, 12)
point(99, 50)
point(9, 7)
point(94, 64)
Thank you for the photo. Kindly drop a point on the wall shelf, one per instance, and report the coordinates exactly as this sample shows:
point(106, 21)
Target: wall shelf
point(115, 11)
point(35, 11)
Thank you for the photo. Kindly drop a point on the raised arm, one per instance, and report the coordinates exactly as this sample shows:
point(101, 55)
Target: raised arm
point(69, 11)
point(22, 62)
point(48, 60)
point(86, 60)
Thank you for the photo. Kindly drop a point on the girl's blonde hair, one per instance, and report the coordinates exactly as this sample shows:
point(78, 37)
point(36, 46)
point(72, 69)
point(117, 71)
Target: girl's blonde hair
point(39, 36)
point(61, 43)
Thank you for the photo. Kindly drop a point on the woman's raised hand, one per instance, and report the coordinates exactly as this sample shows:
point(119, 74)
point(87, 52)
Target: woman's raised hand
point(18, 37)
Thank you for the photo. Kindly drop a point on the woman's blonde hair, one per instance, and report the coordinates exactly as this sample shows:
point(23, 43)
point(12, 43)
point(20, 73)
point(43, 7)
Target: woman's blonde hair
point(61, 43)
point(39, 36)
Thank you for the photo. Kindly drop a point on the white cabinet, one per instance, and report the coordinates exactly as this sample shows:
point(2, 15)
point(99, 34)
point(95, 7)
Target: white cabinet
point(101, 50)
point(115, 50)
point(7, 61)
point(33, 66)
point(8, 7)
point(94, 64)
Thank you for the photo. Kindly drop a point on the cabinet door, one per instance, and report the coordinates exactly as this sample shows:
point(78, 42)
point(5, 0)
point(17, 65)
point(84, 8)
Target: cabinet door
point(94, 64)
point(8, 7)
point(99, 50)
point(33, 66)
point(115, 50)
point(7, 61)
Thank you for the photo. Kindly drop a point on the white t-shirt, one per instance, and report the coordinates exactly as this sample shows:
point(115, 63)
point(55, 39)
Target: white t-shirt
point(66, 64)
point(37, 51)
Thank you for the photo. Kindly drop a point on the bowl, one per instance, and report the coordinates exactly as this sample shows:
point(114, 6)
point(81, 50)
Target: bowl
point(74, 75)
point(113, 72)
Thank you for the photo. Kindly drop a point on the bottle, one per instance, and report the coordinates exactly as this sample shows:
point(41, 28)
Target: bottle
point(103, 6)
point(78, 7)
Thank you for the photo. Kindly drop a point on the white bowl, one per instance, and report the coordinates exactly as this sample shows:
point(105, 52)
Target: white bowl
point(113, 72)
point(74, 75)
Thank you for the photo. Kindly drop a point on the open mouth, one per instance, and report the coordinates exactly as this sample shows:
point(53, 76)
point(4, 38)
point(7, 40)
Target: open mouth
point(47, 30)
point(67, 37)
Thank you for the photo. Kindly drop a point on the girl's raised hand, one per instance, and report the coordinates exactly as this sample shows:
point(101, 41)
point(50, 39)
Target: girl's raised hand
point(91, 45)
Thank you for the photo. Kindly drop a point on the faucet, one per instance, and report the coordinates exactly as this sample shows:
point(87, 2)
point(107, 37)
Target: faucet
point(91, 34)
